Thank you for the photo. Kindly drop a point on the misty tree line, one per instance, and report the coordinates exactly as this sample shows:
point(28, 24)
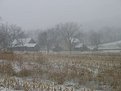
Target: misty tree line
point(61, 37)
point(8, 33)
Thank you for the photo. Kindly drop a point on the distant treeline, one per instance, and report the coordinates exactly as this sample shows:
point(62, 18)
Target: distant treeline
point(62, 36)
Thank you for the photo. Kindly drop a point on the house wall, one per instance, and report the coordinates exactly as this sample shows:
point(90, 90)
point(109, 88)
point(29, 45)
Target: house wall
point(24, 49)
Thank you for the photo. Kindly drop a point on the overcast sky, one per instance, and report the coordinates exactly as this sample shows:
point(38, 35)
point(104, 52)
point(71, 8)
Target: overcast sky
point(35, 14)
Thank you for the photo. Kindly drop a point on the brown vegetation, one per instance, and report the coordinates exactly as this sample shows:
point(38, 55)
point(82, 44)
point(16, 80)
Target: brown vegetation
point(61, 68)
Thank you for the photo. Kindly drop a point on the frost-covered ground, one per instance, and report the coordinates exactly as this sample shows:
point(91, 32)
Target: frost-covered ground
point(58, 73)
point(28, 82)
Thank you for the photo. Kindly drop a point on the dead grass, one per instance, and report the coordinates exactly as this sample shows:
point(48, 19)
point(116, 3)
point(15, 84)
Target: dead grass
point(111, 77)
point(108, 64)
point(24, 73)
point(7, 69)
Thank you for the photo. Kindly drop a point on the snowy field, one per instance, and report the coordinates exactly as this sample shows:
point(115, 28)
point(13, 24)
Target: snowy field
point(59, 72)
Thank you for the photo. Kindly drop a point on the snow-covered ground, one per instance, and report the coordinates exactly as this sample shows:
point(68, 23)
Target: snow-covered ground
point(90, 65)
point(111, 47)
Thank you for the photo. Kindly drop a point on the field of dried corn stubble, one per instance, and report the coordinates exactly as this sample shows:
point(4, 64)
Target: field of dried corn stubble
point(83, 72)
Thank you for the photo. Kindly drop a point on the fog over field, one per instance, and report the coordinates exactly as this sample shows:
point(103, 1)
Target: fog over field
point(42, 14)
point(60, 45)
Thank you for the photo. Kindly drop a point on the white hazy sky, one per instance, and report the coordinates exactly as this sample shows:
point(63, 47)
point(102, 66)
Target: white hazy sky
point(35, 14)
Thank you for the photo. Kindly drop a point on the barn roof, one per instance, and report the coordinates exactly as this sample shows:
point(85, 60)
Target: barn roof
point(24, 42)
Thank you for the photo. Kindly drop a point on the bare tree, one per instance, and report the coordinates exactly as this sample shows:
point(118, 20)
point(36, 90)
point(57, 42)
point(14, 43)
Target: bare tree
point(8, 33)
point(69, 32)
point(47, 39)
point(95, 39)
point(15, 32)
point(42, 40)
point(4, 36)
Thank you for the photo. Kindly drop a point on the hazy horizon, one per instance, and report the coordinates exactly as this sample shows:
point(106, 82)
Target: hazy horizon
point(42, 14)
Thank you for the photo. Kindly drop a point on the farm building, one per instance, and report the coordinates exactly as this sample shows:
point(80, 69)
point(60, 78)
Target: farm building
point(24, 44)
point(81, 47)
point(78, 45)
point(112, 46)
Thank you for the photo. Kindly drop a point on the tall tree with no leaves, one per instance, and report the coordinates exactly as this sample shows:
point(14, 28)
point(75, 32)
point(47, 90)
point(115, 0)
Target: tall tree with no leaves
point(4, 36)
point(47, 39)
point(42, 40)
point(95, 39)
point(69, 31)
point(15, 32)
point(8, 33)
